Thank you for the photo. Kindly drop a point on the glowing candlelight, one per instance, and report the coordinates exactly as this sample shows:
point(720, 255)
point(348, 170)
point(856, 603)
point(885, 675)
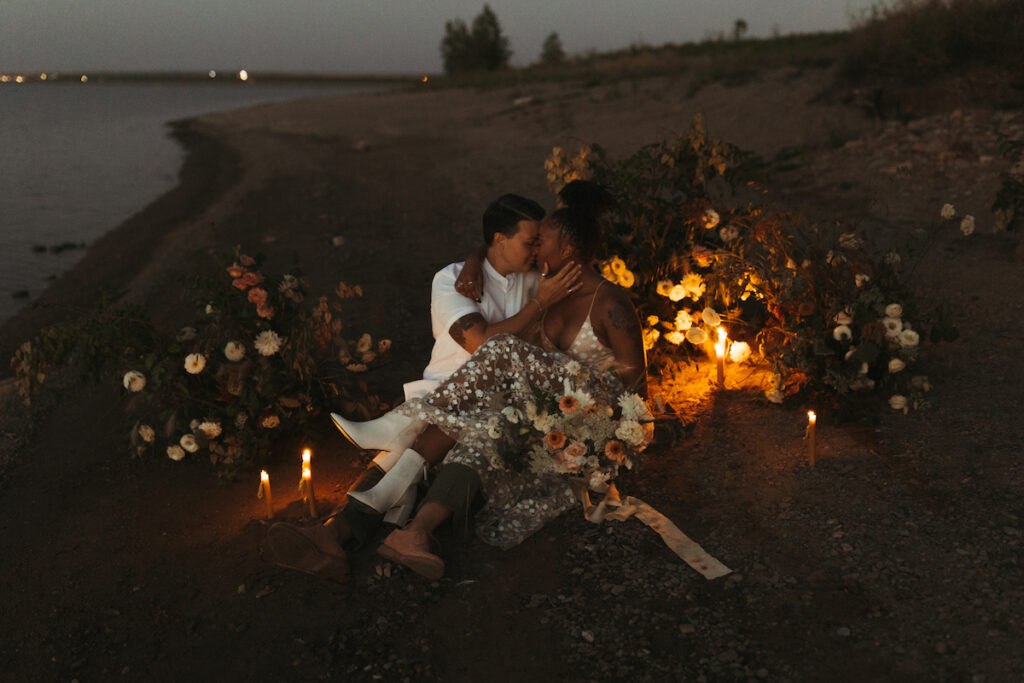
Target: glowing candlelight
point(812, 419)
point(265, 493)
point(720, 356)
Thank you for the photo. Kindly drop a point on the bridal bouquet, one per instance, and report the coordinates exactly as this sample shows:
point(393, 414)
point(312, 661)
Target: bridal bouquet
point(572, 433)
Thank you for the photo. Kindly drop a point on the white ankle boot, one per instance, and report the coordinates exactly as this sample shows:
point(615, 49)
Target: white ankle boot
point(389, 432)
point(390, 489)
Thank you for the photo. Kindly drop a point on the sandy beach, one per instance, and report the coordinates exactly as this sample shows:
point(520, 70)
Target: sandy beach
point(897, 558)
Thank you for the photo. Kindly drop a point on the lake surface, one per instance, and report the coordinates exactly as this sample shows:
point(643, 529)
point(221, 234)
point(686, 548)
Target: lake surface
point(78, 159)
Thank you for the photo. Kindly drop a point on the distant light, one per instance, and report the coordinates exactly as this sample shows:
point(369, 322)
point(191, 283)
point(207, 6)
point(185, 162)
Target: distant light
point(5, 78)
point(213, 74)
point(19, 79)
point(42, 77)
point(424, 79)
point(243, 75)
point(85, 79)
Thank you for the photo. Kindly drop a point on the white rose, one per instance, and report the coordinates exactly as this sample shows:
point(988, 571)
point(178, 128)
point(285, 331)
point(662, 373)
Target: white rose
point(895, 365)
point(898, 401)
point(843, 318)
point(634, 407)
point(194, 363)
point(893, 327)
point(729, 233)
point(842, 333)
point(630, 432)
point(947, 211)
point(188, 442)
point(909, 338)
point(267, 343)
point(365, 343)
point(210, 429)
point(967, 225)
point(234, 351)
point(147, 433)
point(893, 311)
point(739, 352)
point(674, 337)
point(711, 317)
point(711, 219)
point(695, 336)
point(134, 381)
point(175, 452)
point(677, 293)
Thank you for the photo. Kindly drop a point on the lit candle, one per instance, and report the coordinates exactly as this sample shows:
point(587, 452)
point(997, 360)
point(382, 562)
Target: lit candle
point(265, 493)
point(720, 356)
point(307, 485)
point(811, 420)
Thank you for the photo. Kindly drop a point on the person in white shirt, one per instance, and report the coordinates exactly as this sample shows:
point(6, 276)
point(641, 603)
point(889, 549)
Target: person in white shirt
point(513, 301)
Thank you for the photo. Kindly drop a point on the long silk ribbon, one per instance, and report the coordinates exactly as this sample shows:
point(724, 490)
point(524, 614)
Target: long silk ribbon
point(614, 508)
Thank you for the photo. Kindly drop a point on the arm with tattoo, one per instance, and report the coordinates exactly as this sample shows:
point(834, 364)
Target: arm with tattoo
point(625, 336)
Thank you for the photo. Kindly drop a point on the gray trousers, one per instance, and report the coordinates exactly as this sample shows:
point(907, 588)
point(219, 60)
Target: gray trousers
point(457, 487)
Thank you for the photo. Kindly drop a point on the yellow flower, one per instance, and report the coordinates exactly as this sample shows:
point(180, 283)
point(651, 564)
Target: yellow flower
point(694, 285)
point(677, 293)
point(652, 320)
point(618, 266)
point(676, 338)
point(627, 279)
point(664, 287)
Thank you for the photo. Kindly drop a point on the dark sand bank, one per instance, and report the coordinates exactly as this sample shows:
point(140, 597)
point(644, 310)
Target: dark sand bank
point(896, 558)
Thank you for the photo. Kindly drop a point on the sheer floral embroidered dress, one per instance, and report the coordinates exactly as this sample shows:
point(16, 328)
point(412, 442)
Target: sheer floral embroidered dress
point(505, 371)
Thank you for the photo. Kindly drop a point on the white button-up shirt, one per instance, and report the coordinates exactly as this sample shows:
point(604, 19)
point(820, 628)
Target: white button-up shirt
point(503, 297)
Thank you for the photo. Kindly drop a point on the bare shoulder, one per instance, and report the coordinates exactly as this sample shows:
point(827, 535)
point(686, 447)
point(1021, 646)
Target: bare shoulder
point(619, 311)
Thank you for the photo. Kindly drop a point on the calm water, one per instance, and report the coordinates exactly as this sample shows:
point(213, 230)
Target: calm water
point(78, 159)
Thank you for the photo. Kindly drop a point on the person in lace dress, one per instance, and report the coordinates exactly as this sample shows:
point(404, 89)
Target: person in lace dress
point(595, 325)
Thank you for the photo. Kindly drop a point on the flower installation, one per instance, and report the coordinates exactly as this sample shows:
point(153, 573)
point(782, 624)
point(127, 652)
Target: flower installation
point(257, 362)
point(814, 304)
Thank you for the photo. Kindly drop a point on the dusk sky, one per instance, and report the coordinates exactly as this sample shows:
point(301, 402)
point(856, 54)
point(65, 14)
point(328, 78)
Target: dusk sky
point(361, 35)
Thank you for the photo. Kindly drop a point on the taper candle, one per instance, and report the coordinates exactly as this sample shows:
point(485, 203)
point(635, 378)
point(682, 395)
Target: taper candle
point(812, 419)
point(720, 357)
point(307, 482)
point(264, 493)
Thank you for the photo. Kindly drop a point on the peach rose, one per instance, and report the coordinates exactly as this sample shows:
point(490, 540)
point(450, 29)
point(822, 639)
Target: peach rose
point(568, 405)
point(258, 296)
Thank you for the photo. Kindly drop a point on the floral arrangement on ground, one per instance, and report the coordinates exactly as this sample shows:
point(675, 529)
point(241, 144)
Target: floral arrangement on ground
point(813, 302)
point(256, 363)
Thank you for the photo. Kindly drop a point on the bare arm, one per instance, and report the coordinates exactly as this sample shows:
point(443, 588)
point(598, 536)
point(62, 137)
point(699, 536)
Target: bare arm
point(625, 336)
point(471, 331)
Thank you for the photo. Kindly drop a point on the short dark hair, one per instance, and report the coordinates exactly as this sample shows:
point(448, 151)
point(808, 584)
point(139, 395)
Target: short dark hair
point(579, 228)
point(504, 213)
point(587, 197)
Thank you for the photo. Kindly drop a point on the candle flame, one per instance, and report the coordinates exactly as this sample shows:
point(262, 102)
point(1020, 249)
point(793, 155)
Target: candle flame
point(264, 476)
point(306, 474)
point(811, 417)
point(720, 346)
point(306, 455)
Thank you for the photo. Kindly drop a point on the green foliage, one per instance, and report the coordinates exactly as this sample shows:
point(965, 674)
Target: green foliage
point(255, 364)
point(551, 52)
point(914, 40)
point(812, 301)
point(482, 48)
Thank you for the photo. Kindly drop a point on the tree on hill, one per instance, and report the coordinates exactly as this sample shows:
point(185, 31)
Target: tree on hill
point(480, 48)
point(738, 29)
point(551, 52)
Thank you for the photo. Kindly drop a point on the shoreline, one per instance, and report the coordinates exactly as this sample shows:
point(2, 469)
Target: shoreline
point(113, 261)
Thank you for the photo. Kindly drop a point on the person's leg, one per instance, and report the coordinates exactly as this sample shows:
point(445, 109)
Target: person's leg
point(451, 495)
point(429, 448)
point(317, 549)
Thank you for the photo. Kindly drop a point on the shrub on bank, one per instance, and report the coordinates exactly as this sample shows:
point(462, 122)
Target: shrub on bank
point(814, 302)
point(257, 362)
